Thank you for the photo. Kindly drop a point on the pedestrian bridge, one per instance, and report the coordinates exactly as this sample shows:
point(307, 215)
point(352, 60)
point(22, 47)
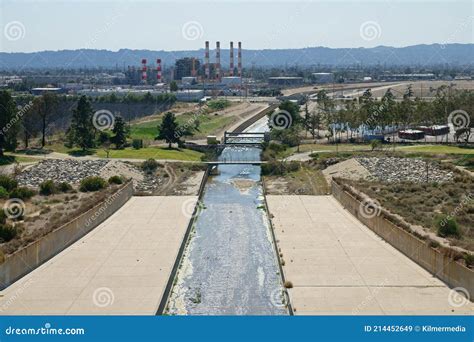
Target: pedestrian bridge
point(245, 138)
point(236, 162)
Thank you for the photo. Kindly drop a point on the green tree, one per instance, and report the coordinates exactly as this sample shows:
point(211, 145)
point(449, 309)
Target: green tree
point(314, 124)
point(173, 86)
point(104, 142)
point(121, 133)
point(30, 122)
point(293, 109)
point(386, 110)
point(8, 122)
point(81, 133)
point(169, 130)
point(48, 107)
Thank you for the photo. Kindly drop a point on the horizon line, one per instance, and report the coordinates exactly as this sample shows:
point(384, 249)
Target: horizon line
point(243, 48)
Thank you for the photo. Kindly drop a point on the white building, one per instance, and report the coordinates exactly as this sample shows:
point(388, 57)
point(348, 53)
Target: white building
point(323, 77)
point(232, 81)
point(190, 95)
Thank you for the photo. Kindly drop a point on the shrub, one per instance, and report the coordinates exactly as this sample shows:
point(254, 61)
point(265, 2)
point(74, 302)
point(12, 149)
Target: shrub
point(276, 147)
point(48, 188)
point(448, 227)
point(22, 193)
point(150, 165)
point(469, 259)
point(8, 183)
point(288, 284)
point(3, 192)
point(115, 180)
point(137, 144)
point(92, 184)
point(64, 187)
point(218, 104)
point(278, 168)
point(375, 144)
point(7, 232)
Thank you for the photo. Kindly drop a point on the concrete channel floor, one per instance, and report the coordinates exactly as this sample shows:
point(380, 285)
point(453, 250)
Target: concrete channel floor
point(338, 266)
point(120, 267)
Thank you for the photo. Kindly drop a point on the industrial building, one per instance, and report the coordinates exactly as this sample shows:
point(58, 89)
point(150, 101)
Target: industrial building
point(405, 77)
point(190, 95)
point(41, 91)
point(232, 81)
point(189, 80)
point(119, 92)
point(285, 81)
point(322, 77)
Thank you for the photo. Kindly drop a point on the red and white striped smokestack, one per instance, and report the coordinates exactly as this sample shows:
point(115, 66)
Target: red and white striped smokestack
point(239, 60)
point(158, 70)
point(218, 60)
point(231, 65)
point(206, 61)
point(144, 70)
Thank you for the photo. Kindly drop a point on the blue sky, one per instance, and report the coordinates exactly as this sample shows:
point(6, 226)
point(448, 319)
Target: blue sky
point(185, 25)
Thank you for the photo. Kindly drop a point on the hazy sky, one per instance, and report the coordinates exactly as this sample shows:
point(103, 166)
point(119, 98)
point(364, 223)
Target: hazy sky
point(185, 25)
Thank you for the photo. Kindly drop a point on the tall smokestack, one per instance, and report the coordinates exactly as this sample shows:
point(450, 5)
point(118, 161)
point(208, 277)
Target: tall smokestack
point(158, 70)
point(144, 70)
point(218, 60)
point(231, 65)
point(206, 61)
point(239, 60)
point(193, 67)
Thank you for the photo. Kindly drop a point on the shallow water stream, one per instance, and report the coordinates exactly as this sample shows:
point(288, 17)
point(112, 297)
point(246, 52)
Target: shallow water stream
point(230, 266)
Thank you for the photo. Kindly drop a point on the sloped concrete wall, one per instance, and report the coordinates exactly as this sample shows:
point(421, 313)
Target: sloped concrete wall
point(441, 266)
point(30, 257)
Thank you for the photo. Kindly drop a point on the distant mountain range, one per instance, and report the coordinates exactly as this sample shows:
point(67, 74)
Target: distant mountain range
point(416, 55)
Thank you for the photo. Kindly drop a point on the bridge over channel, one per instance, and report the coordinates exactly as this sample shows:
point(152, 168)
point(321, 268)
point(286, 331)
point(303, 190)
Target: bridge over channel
point(245, 138)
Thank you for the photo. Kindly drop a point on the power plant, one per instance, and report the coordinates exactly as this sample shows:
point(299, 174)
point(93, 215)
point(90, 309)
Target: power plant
point(211, 73)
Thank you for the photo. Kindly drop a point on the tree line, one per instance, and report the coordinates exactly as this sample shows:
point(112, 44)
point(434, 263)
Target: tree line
point(386, 115)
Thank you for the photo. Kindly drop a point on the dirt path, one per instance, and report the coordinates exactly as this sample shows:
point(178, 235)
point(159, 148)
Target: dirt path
point(172, 177)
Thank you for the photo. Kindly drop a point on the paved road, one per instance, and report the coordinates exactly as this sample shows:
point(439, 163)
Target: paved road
point(338, 266)
point(120, 267)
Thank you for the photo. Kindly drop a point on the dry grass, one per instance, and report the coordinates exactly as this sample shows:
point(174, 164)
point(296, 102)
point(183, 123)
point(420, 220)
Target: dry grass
point(308, 180)
point(420, 204)
point(45, 214)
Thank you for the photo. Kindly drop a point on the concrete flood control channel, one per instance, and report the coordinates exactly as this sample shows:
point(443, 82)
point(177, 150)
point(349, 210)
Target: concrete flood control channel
point(338, 266)
point(230, 266)
point(119, 268)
